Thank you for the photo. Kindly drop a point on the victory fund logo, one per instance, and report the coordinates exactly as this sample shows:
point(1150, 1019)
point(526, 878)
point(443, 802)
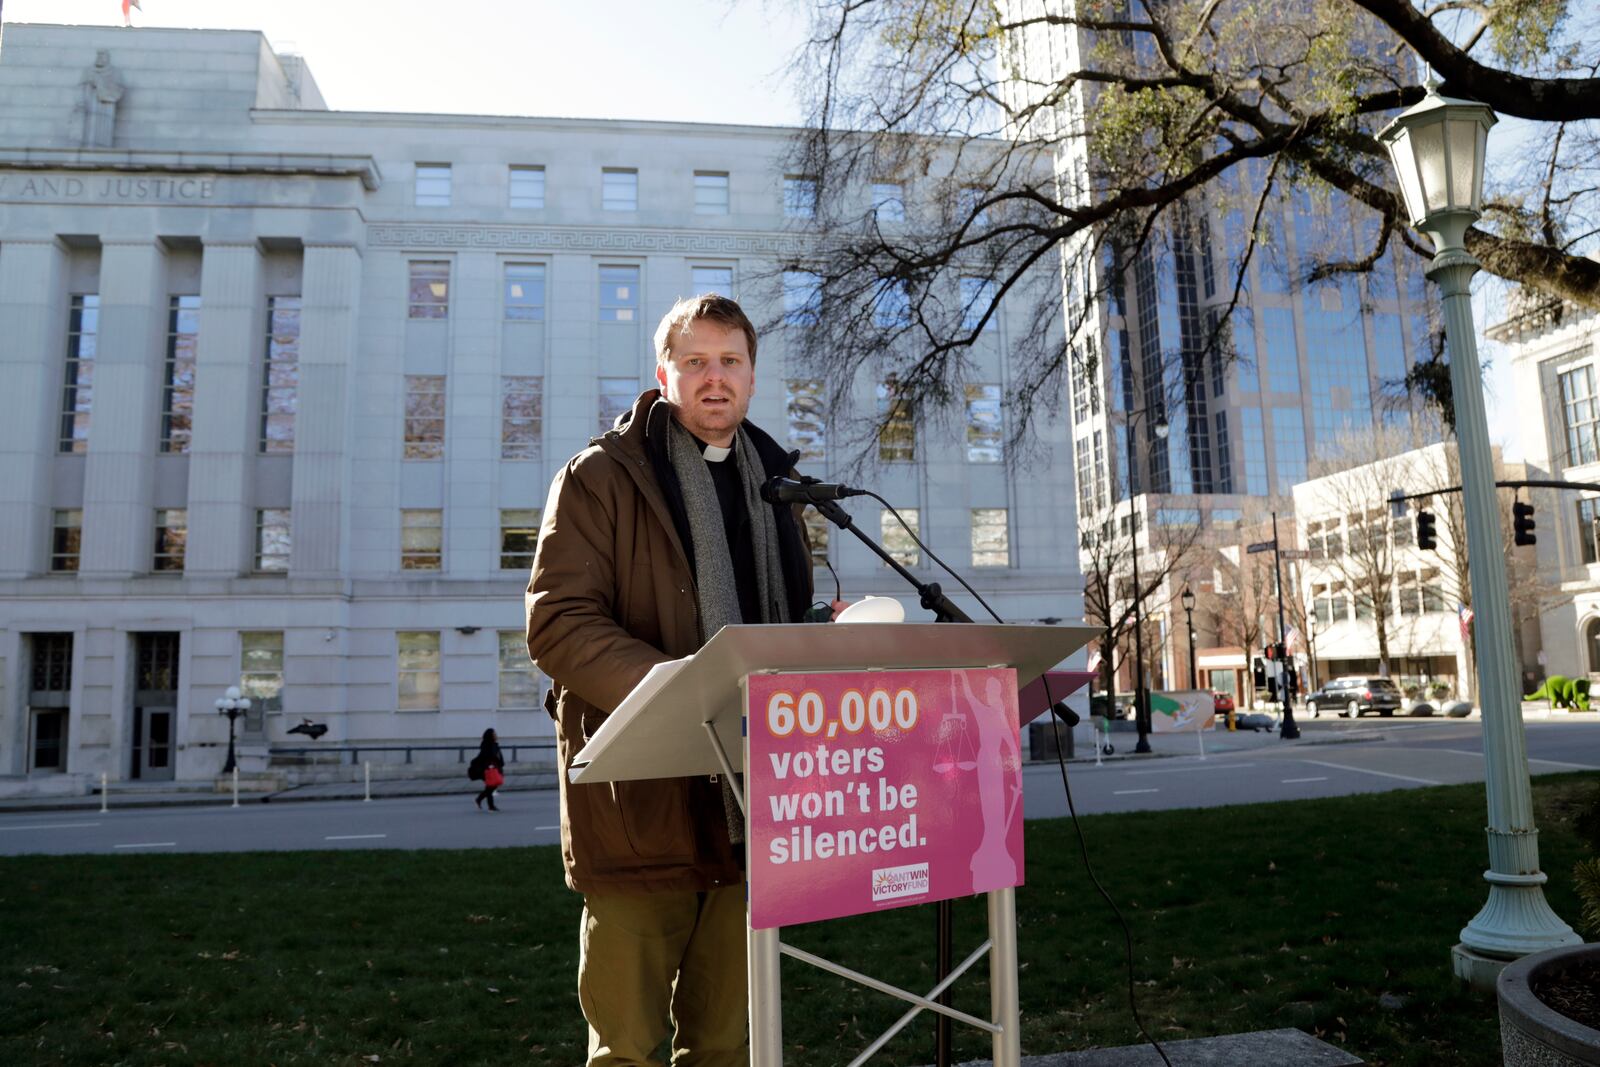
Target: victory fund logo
point(892, 883)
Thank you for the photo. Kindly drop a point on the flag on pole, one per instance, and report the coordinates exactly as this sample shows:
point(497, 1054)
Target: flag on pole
point(1465, 614)
point(127, 19)
point(1291, 638)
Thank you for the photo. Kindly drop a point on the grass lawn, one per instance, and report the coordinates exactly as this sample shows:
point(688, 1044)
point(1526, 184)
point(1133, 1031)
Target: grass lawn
point(1295, 914)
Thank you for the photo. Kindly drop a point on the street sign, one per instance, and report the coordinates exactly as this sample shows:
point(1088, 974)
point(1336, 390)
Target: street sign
point(1295, 553)
point(1261, 546)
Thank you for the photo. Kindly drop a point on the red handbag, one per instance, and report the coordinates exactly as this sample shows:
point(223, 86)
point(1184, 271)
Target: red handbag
point(492, 778)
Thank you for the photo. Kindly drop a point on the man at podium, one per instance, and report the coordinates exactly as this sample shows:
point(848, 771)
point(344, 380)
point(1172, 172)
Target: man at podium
point(654, 538)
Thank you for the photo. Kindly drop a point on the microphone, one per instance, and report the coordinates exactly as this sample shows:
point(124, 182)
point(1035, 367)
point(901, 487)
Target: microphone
point(1065, 713)
point(807, 490)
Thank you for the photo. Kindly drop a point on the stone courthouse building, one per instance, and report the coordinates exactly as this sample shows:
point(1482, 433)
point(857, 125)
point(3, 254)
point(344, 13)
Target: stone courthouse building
point(284, 389)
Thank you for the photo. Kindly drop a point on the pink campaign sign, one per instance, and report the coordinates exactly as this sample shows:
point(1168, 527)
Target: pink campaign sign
point(873, 790)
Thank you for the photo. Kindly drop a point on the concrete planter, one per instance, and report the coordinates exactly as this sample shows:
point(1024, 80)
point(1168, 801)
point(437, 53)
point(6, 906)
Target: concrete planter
point(1533, 1034)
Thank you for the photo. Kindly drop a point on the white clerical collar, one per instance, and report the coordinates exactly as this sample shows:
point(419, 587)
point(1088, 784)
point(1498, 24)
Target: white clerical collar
point(716, 453)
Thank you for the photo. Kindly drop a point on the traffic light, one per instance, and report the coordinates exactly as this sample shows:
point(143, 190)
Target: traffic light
point(1522, 523)
point(1427, 535)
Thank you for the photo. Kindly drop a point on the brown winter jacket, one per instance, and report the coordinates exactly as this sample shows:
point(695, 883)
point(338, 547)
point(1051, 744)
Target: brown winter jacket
point(612, 594)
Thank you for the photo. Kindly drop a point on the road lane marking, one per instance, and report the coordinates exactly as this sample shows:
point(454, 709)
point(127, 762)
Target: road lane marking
point(52, 826)
point(354, 837)
point(1125, 792)
point(149, 844)
point(1531, 759)
point(1319, 778)
point(1363, 770)
point(1183, 770)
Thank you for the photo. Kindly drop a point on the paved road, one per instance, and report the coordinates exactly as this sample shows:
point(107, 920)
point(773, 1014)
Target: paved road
point(1380, 755)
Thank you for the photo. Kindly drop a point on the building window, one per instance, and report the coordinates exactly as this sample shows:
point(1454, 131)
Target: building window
point(710, 192)
point(1085, 481)
point(991, 544)
point(1410, 593)
point(1289, 447)
point(817, 530)
point(172, 535)
point(520, 683)
point(897, 428)
point(968, 201)
point(419, 670)
point(519, 536)
point(1432, 592)
point(717, 280)
point(899, 543)
point(799, 196)
point(619, 294)
point(527, 187)
point(802, 297)
point(891, 307)
point(272, 539)
point(261, 670)
point(66, 539)
point(619, 189)
point(808, 425)
point(983, 424)
point(424, 422)
point(280, 374)
point(1588, 529)
point(429, 290)
point(977, 294)
point(77, 390)
point(421, 539)
point(616, 396)
point(433, 185)
point(177, 379)
point(888, 202)
point(521, 416)
point(525, 292)
point(1579, 413)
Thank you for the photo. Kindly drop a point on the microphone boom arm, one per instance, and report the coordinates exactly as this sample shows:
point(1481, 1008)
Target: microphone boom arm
point(933, 598)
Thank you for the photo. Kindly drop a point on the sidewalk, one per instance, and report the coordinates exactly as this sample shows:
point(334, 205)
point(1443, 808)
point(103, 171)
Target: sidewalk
point(203, 794)
point(1262, 1048)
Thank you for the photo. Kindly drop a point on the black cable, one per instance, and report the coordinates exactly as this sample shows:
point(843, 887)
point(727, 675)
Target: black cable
point(838, 590)
point(1061, 760)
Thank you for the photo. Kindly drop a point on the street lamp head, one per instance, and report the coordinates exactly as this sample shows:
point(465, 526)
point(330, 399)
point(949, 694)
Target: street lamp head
point(1437, 149)
point(1161, 427)
point(232, 693)
point(244, 703)
point(1187, 598)
point(221, 704)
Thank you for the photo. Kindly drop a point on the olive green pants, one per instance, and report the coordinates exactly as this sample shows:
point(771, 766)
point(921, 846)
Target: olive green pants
point(663, 963)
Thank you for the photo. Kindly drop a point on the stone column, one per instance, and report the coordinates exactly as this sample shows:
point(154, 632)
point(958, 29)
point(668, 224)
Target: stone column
point(227, 417)
point(118, 515)
point(330, 287)
point(33, 318)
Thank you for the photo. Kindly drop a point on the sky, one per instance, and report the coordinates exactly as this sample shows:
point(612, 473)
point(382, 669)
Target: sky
point(685, 60)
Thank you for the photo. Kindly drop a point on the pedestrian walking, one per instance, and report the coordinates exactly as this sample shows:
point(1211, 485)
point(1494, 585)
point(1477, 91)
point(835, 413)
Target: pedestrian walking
point(489, 766)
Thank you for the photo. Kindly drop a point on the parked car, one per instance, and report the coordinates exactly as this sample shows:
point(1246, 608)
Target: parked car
point(1353, 695)
point(1221, 703)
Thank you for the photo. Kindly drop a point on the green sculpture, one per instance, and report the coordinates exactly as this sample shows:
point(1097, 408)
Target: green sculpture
point(1563, 692)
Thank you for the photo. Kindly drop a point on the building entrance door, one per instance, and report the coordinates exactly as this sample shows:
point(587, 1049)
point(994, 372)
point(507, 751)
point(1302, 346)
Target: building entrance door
point(49, 701)
point(47, 740)
point(155, 707)
point(152, 743)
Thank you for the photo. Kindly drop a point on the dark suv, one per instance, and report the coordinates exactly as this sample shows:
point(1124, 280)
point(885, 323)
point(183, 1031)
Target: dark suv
point(1351, 696)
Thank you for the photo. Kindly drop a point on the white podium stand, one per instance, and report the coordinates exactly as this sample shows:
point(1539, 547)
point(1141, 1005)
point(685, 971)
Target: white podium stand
point(687, 718)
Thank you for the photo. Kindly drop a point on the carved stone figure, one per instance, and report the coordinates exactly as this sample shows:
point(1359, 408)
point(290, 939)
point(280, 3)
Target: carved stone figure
point(102, 90)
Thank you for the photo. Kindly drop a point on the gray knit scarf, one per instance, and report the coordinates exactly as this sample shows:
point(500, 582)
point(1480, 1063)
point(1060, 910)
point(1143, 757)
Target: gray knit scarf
point(713, 561)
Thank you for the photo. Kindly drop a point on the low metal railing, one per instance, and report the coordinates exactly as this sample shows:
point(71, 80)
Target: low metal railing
point(510, 751)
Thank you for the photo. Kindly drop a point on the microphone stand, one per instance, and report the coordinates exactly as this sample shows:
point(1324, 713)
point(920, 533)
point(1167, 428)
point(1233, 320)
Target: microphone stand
point(944, 610)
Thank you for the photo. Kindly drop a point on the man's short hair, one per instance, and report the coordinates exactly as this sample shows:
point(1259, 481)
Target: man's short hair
point(712, 307)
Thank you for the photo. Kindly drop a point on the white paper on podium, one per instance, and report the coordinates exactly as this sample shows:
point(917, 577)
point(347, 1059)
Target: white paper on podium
point(664, 737)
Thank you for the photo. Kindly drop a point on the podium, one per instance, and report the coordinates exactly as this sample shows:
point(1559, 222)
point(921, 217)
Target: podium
point(854, 730)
